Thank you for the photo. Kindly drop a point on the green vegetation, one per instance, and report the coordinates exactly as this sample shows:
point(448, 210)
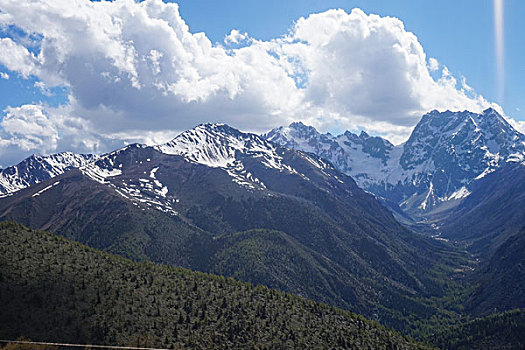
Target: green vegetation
point(445, 308)
point(502, 279)
point(52, 289)
point(270, 257)
point(499, 331)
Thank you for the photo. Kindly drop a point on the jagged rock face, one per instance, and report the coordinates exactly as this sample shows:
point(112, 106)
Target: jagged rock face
point(363, 157)
point(37, 168)
point(463, 145)
point(445, 153)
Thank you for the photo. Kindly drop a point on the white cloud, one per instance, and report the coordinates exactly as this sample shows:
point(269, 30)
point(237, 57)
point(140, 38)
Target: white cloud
point(43, 88)
point(17, 58)
point(29, 128)
point(135, 72)
point(367, 71)
point(139, 61)
point(4, 75)
point(236, 37)
point(433, 64)
point(517, 124)
point(42, 129)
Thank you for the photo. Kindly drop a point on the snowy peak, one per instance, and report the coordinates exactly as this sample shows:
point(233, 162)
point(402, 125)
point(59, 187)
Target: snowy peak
point(375, 146)
point(448, 151)
point(38, 168)
point(301, 137)
point(221, 146)
point(308, 139)
point(469, 140)
point(454, 149)
point(237, 162)
point(216, 145)
point(360, 156)
point(445, 153)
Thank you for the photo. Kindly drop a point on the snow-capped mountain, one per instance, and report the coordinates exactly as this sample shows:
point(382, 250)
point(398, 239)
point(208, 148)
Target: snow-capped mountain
point(37, 168)
point(239, 155)
point(363, 157)
point(244, 160)
point(221, 146)
point(448, 151)
point(445, 153)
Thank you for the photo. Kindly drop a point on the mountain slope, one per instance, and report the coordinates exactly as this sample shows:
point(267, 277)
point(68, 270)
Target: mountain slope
point(490, 222)
point(166, 206)
point(54, 290)
point(502, 279)
point(445, 154)
point(492, 213)
point(93, 213)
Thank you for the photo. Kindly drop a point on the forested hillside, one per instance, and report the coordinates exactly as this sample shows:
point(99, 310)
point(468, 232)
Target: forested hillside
point(499, 331)
point(54, 289)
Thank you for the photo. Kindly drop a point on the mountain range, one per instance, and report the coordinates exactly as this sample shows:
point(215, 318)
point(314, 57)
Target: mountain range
point(434, 169)
point(308, 213)
point(446, 154)
point(460, 177)
point(38, 168)
point(218, 200)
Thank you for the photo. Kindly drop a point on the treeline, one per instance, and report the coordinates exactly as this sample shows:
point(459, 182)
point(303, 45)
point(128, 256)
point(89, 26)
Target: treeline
point(52, 289)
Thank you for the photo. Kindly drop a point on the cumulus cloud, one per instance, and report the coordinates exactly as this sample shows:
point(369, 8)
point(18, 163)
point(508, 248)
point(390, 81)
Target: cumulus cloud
point(38, 129)
point(134, 72)
point(42, 129)
point(367, 71)
point(433, 64)
point(17, 58)
point(29, 128)
point(236, 37)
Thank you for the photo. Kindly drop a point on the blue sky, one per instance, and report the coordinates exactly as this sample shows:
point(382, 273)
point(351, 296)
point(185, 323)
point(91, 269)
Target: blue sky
point(92, 76)
point(460, 34)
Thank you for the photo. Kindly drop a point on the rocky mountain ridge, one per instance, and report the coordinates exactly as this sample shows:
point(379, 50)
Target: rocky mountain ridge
point(445, 154)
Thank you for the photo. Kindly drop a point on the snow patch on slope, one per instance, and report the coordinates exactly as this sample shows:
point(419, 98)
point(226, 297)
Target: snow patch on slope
point(220, 146)
point(45, 189)
point(459, 194)
point(100, 174)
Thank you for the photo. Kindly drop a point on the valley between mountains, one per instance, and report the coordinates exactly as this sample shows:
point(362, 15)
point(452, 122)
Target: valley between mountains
point(427, 237)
